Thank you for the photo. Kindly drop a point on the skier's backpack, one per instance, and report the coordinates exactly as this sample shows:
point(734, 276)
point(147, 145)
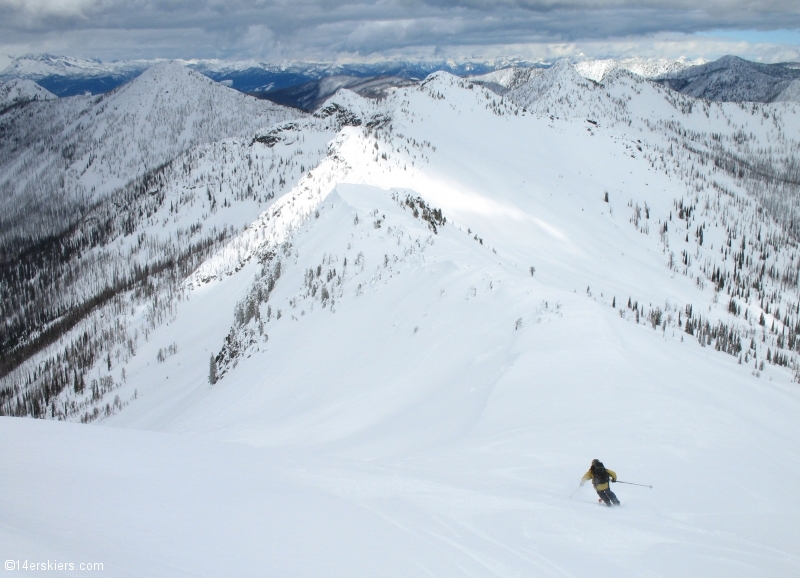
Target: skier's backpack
point(599, 474)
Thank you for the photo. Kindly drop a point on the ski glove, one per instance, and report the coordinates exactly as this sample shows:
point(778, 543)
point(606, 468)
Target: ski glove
point(583, 482)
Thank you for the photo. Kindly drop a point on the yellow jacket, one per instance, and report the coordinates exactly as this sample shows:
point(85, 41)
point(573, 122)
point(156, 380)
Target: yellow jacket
point(588, 476)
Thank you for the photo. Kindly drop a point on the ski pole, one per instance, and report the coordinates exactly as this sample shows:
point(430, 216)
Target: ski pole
point(632, 484)
point(575, 492)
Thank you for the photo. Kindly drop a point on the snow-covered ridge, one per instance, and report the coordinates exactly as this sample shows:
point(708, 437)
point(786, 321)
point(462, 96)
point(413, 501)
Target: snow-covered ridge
point(501, 81)
point(345, 113)
point(791, 93)
point(69, 76)
point(597, 69)
point(733, 79)
point(80, 149)
point(36, 66)
point(560, 86)
point(41, 65)
point(507, 79)
point(729, 79)
point(21, 91)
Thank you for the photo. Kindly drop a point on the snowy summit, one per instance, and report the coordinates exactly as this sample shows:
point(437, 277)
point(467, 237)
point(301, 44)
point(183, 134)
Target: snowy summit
point(16, 92)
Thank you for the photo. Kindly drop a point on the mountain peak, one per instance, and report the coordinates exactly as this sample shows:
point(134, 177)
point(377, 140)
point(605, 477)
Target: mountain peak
point(22, 90)
point(168, 70)
point(562, 77)
point(598, 70)
point(170, 77)
point(731, 78)
point(563, 70)
point(731, 60)
point(505, 79)
point(439, 77)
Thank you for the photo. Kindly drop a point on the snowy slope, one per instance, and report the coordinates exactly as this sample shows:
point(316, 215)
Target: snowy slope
point(176, 108)
point(791, 93)
point(67, 76)
point(450, 303)
point(598, 69)
point(505, 79)
point(19, 91)
point(732, 79)
point(562, 73)
point(37, 66)
point(66, 154)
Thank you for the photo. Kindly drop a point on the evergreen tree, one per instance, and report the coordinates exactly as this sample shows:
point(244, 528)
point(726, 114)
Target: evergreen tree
point(212, 371)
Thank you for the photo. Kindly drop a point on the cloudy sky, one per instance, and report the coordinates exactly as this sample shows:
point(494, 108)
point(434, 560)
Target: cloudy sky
point(276, 30)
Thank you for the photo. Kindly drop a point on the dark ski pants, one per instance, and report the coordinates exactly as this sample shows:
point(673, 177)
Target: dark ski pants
point(608, 497)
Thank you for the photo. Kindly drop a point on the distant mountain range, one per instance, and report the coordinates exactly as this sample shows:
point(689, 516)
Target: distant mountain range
point(305, 85)
point(733, 79)
point(66, 76)
point(310, 95)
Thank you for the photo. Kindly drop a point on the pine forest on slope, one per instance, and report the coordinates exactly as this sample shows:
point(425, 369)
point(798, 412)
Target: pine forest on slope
point(125, 214)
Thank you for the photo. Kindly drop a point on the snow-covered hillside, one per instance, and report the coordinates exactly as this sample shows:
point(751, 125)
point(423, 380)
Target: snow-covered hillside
point(505, 79)
point(733, 79)
point(21, 91)
point(388, 339)
point(791, 93)
point(67, 76)
point(37, 66)
point(64, 155)
point(597, 69)
point(562, 79)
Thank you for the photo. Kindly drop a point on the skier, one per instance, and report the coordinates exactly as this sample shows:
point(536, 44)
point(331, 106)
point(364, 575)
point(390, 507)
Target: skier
point(600, 477)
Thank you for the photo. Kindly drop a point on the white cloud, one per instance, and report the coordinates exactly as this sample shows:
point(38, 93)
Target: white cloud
point(49, 8)
point(258, 41)
point(371, 29)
